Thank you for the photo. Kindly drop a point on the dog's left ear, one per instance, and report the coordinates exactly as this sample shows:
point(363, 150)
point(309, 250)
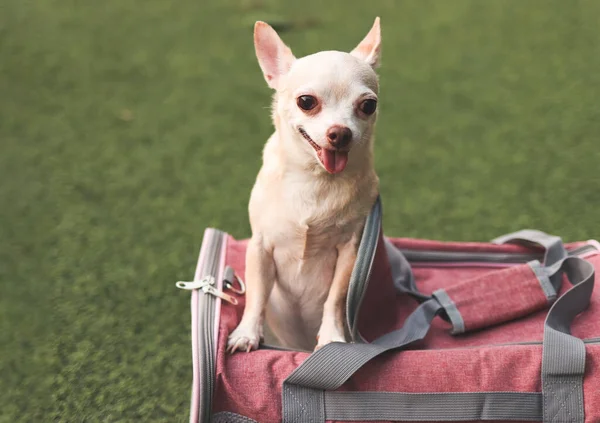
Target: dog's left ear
point(369, 49)
point(274, 57)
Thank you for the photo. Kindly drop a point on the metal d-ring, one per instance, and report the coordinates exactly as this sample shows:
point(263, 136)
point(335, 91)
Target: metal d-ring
point(241, 290)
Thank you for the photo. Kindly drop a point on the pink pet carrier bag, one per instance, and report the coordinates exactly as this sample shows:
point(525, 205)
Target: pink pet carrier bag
point(507, 331)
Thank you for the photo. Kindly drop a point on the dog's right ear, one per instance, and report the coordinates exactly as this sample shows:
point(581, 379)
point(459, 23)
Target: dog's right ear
point(369, 49)
point(274, 57)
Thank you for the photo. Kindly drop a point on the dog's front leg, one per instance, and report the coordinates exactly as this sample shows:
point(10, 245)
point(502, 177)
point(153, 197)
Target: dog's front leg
point(334, 309)
point(260, 276)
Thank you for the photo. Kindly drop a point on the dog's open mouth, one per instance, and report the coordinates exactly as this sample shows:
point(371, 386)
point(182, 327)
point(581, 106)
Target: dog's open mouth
point(334, 161)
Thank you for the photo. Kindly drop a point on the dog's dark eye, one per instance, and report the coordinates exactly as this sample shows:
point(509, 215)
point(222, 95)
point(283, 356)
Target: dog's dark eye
point(306, 102)
point(368, 106)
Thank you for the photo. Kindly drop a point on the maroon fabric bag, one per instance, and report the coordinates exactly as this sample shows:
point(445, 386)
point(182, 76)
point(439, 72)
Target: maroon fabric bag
point(507, 331)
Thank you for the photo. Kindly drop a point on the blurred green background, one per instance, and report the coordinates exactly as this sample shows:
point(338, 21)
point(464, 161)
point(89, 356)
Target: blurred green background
point(128, 126)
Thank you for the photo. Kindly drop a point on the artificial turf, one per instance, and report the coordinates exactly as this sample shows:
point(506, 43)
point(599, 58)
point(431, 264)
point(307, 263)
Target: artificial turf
point(128, 126)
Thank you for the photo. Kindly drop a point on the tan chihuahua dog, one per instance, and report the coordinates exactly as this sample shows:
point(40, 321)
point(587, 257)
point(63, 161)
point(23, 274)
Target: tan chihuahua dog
point(313, 192)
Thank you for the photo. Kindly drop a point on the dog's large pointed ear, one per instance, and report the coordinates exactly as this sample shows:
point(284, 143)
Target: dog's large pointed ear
point(274, 57)
point(369, 49)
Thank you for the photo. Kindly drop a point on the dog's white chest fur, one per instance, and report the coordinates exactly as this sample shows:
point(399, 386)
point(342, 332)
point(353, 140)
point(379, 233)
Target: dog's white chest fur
point(305, 263)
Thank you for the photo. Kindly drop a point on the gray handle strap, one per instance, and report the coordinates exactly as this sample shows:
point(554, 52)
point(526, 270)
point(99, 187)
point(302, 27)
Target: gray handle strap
point(555, 249)
point(404, 281)
point(563, 362)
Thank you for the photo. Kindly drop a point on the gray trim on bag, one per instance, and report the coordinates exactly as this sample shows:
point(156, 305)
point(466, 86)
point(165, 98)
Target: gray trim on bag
point(440, 407)
point(228, 417)
point(458, 324)
point(361, 272)
point(542, 276)
point(302, 404)
point(432, 257)
point(206, 318)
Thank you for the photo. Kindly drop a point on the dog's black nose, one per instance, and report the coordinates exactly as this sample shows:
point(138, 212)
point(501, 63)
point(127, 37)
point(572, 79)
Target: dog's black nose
point(339, 136)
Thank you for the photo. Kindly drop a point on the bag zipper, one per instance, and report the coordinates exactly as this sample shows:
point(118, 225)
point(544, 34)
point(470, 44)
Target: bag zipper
point(587, 341)
point(431, 258)
point(207, 289)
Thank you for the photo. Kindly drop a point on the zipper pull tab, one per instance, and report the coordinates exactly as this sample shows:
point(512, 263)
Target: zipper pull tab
point(228, 278)
point(208, 289)
point(190, 286)
point(207, 285)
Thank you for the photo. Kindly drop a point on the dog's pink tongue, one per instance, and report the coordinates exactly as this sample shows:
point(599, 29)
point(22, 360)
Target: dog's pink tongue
point(334, 161)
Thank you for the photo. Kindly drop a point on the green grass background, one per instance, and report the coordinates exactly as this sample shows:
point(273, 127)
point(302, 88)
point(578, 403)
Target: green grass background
point(128, 126)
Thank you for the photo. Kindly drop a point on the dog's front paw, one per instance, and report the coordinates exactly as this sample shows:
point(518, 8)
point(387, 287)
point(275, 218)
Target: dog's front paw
point(244, 339)
point(328, 337)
